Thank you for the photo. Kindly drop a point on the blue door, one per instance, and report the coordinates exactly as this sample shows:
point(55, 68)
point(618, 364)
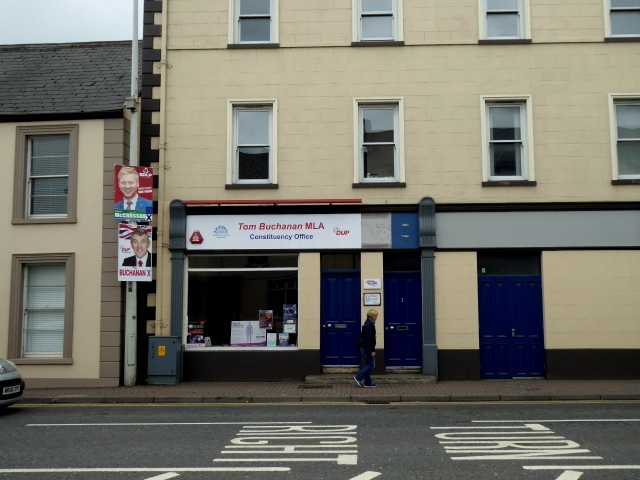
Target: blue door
point(402, 320)
point(511, 335)
point(340, 319)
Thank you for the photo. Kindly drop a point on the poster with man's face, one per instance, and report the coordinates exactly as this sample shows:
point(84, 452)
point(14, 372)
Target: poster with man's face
point(132, 193)
point(134, 252)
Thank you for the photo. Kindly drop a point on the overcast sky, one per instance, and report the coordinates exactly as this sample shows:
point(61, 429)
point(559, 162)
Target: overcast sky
point(63, 21)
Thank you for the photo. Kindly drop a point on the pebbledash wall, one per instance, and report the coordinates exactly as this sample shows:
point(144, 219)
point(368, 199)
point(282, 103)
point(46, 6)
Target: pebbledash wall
point(573, 212)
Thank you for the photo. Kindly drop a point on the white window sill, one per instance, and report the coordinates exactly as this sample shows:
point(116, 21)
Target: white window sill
point(202, 348)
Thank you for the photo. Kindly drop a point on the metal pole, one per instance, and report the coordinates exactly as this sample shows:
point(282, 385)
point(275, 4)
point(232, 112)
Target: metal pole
point(131, 300)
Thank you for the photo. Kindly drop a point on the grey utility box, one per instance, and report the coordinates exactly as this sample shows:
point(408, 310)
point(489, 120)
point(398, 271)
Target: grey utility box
point(165, 361)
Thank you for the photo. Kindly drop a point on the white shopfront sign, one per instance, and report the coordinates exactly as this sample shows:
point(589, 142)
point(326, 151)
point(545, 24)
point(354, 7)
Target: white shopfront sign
point(274, 232)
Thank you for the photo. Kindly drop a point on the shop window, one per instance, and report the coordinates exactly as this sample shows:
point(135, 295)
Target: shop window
point(401, 261)
point(340, 261)
point(509, 263)
point(242, 301)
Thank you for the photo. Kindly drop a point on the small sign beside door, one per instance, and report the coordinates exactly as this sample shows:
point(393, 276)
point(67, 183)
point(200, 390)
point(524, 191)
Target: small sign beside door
point(371, 299)
point(372, 284)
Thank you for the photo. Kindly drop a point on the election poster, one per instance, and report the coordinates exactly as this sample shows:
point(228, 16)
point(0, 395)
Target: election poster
point(132, 193)
point(134, 252)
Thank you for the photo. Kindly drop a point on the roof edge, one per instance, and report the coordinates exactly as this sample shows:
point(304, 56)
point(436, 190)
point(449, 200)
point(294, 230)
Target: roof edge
point(49, 117)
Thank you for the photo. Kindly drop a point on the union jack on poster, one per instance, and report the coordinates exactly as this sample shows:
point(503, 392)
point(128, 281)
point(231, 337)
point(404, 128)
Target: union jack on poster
point(125, 230)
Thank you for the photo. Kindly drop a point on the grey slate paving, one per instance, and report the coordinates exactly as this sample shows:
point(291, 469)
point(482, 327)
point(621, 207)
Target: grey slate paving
point(278, 392)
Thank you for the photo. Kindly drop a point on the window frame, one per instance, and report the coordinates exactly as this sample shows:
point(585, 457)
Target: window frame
point(19, 264)
point(235, 18)
point(614, 100)
point(609, 26)
point(526, 118)
point(523, 22)
point(21, 173)
point(235, 106)
point(361, 104)
point(396, 23)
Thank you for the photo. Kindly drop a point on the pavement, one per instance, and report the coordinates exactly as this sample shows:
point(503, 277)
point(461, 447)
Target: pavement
point(343, 389)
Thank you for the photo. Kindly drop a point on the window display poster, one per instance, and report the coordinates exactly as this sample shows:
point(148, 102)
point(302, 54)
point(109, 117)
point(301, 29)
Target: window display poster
point(289, 312)
point(247, 334)
point(266, 319)
point(272, 339)
point(289, 328)
point(195, 333)
point(283, 339)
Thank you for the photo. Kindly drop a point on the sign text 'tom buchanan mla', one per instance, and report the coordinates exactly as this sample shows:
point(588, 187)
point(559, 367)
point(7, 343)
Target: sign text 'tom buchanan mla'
point(282, 226)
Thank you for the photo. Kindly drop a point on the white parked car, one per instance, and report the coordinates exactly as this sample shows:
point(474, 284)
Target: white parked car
point(11, 384)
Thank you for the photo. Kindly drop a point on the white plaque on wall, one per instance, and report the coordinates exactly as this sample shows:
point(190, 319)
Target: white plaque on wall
point(372, 284)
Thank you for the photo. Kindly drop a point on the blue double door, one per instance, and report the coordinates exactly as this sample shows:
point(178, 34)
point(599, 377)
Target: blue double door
point(511, 326)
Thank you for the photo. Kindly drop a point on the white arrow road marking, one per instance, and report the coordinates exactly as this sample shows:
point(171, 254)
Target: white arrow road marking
point(119, 470)
point(562, 420)
point(570, 475)
point(164, 476)
point(341, 460)
point(582, 467)
point(366, 476)
point(156, 424)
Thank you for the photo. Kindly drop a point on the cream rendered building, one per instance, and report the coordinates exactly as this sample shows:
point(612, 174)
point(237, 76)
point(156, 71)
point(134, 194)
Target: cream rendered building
point(484, 158)
point(62, 128)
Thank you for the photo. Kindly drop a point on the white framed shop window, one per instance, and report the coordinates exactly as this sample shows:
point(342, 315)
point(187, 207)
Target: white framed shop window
point(241, 301)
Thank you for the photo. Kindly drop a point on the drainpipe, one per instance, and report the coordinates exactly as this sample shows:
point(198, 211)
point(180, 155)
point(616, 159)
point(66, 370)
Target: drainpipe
point(131, 300)
point(161, 326)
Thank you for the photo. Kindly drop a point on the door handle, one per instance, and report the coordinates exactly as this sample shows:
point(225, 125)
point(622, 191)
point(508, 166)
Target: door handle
point(513, 332)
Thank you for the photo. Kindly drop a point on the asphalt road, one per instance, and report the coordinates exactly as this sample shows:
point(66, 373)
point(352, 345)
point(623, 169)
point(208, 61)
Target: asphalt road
point(541, 441)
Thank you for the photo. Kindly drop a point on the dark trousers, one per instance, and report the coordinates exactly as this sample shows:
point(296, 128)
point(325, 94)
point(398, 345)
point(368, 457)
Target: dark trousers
point(364, 375)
